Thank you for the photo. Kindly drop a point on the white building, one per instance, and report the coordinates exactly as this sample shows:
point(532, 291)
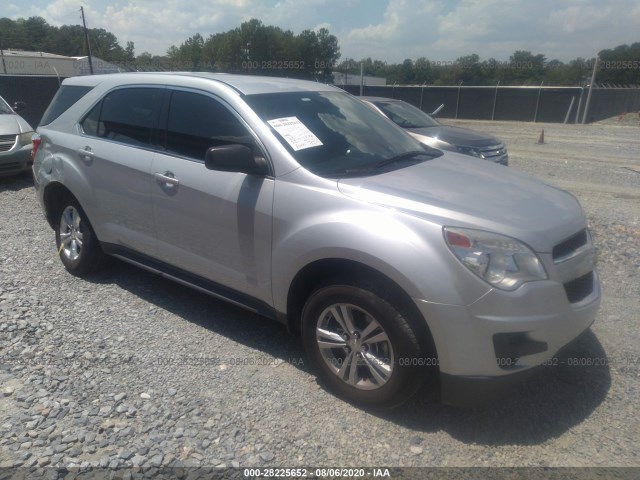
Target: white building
point(341, 78)
point(20, 62)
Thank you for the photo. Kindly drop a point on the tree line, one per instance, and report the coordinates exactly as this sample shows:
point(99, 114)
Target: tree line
point(259, 49)
point(256, 48)
point(616, 67)
point(34, 34)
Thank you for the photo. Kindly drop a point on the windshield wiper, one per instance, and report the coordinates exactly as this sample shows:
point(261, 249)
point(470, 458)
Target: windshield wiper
point(374, 169)
point(403, 157)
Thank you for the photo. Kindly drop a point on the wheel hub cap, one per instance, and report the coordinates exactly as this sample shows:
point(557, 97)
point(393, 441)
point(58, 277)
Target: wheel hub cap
point(70, 233)
point(354, 346)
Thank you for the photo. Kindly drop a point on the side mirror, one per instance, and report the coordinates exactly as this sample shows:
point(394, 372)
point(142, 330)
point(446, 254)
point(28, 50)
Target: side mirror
point(19, 105)
point(435, 112)
point(235, 158)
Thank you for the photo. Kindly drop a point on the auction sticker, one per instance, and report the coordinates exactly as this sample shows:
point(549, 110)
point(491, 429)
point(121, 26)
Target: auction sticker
point(295, 133)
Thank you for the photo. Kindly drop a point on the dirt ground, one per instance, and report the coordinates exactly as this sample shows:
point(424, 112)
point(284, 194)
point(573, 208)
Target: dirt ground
point(598, 158)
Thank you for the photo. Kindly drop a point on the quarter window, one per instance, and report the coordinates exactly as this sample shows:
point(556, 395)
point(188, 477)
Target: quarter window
point(197, 122)
point(65, 97)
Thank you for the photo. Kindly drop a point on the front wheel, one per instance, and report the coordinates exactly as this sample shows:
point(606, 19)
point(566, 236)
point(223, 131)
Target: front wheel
point(78, 246)
point(362, 347)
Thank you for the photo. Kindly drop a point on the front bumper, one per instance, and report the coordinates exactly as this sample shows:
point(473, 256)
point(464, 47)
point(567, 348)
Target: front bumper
point(477, 391)
point(501, 160)
point(16, 160)
point(495, 341)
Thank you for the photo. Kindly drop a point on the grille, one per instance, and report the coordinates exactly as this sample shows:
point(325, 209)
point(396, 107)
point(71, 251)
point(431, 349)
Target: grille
point(580, 288)
point(570, 247)
point(494, 153)
point(7, 142)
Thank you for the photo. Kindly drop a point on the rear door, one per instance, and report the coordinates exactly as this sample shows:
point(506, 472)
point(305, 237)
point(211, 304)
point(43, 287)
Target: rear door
point(116, 151)
point(216, 225)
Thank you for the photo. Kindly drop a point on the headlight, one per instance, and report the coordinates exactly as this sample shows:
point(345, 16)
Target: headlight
point(470, 151)
point(504, 262)
point(25, 138)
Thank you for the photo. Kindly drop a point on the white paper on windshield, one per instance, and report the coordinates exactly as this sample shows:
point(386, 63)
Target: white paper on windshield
point(295, 133)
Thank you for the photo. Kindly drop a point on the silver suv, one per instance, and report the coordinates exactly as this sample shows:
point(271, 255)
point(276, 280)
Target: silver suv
point(295, 200)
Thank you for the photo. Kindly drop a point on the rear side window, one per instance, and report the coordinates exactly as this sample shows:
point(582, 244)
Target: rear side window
point(197, 122)
point(128, 115)
point(66, 96)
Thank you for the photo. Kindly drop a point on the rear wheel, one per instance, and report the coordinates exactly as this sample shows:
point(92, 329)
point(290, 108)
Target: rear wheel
point(78, 246)
point(361, 345)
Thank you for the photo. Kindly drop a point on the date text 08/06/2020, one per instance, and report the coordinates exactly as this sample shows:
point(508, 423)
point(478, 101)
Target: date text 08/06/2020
point(316, 472)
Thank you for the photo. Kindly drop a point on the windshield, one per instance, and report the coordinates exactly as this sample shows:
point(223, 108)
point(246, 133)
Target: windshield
point(334, 135)
point(405, 115)
point(4, 107)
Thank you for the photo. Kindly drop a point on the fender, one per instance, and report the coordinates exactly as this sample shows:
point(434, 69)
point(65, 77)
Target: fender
point(63, 170)
point(369, 234)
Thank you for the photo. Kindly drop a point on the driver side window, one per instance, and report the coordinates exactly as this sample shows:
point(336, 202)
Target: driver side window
point(197, 122)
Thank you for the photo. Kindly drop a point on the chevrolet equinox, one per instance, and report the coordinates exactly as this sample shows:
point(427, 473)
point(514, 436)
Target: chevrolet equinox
point(396, 262)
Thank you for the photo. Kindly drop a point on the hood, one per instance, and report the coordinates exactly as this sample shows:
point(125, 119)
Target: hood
point(455, 136)
point(455, 190)
point(12, 124)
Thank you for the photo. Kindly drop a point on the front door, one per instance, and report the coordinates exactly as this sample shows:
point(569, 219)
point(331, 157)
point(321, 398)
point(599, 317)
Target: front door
point(213, 224)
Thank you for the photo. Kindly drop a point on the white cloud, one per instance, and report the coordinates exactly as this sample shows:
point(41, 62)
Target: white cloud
point(390, 30)
point(406, 31)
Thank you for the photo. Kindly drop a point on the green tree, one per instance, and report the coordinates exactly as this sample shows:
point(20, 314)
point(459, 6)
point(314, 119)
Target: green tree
point(105, 45)
point(469, 70)
point(524, 68)
point(406, 75)
point(422, 71)
point(37, 30)
point(129, 52)
point(620, 66)
point(13, 34)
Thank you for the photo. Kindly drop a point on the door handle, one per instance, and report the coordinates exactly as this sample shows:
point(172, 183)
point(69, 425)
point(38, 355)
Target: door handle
point(86, 153)
point(166, 177)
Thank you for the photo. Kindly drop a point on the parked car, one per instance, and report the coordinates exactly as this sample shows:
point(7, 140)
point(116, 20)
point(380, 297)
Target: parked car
point(15, 139)
point(427, 130)
point(293, 199)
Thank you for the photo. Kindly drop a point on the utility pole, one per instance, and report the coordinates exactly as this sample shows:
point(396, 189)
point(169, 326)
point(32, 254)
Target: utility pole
point(86, 41)
point(593, 79)
point(4, 65)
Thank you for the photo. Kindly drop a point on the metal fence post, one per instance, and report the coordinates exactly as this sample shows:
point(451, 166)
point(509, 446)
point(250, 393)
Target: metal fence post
point(458, 98)
point(566, 118)
point(593, 79)
point(535, 115)
point(577, 119)
point(495, 99)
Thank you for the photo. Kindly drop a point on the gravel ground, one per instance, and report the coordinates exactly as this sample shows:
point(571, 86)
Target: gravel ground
point(129, 370)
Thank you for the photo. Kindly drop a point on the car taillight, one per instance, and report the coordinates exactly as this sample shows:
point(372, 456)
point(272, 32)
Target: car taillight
point(35, 140)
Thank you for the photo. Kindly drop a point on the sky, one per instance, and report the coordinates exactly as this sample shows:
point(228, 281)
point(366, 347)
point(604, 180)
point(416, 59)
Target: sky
point(388, 30)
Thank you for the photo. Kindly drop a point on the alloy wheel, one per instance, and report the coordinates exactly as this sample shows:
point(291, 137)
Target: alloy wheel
point(354, 346)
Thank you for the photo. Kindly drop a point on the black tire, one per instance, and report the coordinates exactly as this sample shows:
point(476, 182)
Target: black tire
point(81, 254)
point(385, 382)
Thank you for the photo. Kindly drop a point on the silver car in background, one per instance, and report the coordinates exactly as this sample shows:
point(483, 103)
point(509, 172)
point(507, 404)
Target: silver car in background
point(426, 129)
point(15, 140)
point(396, 262)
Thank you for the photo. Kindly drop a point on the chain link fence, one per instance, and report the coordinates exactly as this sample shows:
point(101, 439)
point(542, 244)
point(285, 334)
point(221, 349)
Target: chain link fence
point(525, 104)
point(35, 90)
